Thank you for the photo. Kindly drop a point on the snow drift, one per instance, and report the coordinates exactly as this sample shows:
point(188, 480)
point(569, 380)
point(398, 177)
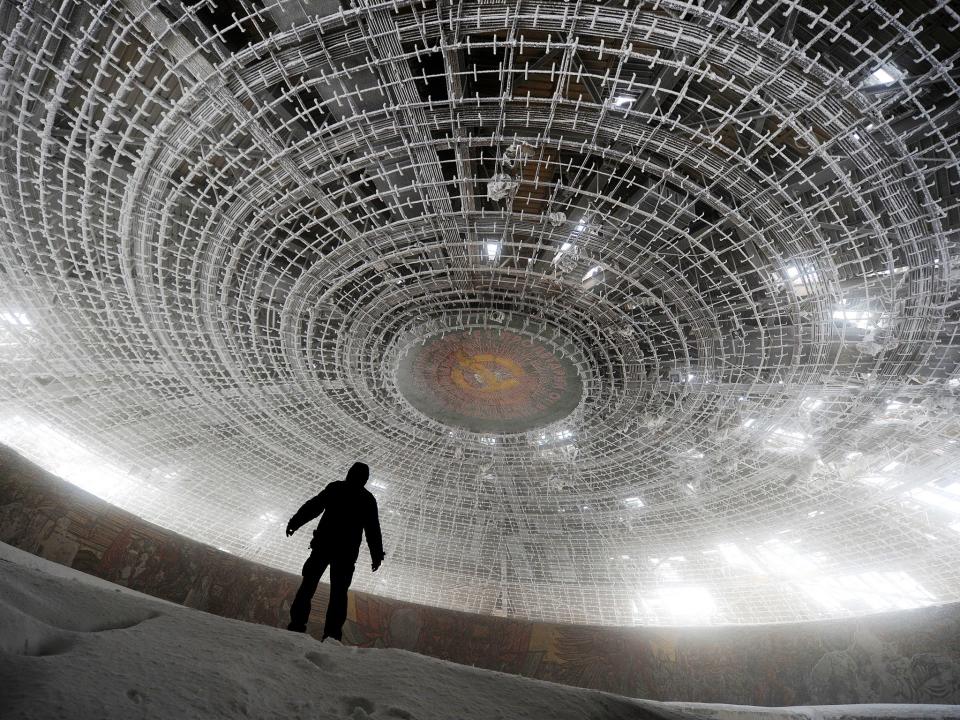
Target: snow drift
point(74, 646)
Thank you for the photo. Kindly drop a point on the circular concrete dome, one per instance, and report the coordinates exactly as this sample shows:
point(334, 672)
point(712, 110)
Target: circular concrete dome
point(641, 313)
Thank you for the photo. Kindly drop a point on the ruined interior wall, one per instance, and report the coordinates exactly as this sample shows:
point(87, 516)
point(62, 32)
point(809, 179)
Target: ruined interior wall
point(911, 656)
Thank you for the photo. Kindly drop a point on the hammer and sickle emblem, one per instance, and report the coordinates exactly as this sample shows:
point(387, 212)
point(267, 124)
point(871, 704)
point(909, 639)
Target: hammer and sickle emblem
point(489, 372)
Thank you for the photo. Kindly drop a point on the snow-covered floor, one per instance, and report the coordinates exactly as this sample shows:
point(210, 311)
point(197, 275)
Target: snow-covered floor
point(74, 646)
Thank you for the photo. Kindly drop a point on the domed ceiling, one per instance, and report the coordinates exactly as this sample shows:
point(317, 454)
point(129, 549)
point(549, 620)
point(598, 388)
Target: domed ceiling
point(641, 312)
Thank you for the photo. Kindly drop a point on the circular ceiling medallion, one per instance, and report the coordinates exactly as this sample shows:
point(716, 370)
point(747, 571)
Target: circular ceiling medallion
point(489, 381)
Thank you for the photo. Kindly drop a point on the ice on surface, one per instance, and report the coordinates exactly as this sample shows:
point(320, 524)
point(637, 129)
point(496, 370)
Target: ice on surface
point(74, 646)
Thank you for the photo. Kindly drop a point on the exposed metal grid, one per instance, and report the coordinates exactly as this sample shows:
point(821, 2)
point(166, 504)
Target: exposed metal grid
point(224, 225)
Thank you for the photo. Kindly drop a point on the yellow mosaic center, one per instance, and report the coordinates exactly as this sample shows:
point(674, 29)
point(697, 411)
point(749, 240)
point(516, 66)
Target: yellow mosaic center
point(485, 372)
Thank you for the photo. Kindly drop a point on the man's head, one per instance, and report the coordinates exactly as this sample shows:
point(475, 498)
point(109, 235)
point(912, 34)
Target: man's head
point(358, 473)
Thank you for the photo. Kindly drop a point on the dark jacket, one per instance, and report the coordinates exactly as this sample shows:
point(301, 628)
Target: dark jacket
point(349, 510)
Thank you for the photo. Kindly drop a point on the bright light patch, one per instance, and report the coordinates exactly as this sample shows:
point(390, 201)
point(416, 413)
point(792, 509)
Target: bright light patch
point(58, 453)
point(887, 273)
point(543, 437)
point(12, 322)
point(883, 75)
point(811, 404)
point(633, 502)
point(800, 278)
point(493, 250)
point(784, 559)
point(13, 317)
point(787, 440)
point(946, 498)
point(679, 605)
point(857, 318)
point(738, 558)
point(868, 592)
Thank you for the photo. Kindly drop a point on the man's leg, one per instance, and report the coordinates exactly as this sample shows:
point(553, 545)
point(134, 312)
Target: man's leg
point(300, 610)
point(341, 574)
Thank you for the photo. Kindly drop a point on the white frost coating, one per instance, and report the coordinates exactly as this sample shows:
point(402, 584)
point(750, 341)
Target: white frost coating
point(110, 653)
point(223, 223)
point(501, 186)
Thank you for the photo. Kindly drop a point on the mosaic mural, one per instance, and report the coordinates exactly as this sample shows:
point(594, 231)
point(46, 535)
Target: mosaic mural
point(489, 381)
point(911, 656)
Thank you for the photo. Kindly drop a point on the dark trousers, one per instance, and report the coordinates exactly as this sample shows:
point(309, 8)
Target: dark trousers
point(341, 573)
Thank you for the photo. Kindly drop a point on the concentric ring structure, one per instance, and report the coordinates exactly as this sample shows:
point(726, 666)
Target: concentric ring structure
point(227, 224)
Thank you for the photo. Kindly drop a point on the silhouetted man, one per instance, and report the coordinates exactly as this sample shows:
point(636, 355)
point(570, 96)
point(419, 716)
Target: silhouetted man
point(349, 510)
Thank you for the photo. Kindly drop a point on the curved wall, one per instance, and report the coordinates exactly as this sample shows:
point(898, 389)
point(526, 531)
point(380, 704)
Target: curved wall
point(911, 656)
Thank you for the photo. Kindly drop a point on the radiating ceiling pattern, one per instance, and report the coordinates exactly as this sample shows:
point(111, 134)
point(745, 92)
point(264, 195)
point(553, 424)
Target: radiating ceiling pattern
point(642, 312)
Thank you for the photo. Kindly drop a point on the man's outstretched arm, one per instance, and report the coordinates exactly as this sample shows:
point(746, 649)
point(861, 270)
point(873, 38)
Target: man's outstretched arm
point(307, 512)
point(371, 528)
